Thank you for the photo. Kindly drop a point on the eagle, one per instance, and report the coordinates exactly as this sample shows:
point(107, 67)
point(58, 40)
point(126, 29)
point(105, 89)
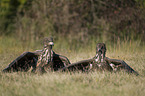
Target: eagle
point(100, 62)
point(39, 61)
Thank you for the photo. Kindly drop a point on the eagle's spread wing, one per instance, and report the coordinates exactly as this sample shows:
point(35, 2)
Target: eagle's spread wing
point(120, 64)
point(81, 65)
point(23, 62)
point(60, 61)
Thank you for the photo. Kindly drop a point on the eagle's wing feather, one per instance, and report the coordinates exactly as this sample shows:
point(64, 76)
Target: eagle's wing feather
point(22, 62)
point(81, 65)
point(121, 64)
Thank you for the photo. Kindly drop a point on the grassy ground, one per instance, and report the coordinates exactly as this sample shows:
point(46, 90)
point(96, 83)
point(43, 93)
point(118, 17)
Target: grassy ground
point(76, 84)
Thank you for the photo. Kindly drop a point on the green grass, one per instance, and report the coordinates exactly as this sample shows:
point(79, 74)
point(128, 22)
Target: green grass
point(75, 84)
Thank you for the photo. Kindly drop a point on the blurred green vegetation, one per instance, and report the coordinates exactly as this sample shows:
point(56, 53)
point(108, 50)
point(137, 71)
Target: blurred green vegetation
point(77, 20)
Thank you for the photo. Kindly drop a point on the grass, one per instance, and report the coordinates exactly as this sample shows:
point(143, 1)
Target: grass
point(76, 84)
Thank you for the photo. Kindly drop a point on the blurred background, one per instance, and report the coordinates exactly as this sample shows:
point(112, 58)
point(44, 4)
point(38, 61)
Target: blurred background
point(75, 22)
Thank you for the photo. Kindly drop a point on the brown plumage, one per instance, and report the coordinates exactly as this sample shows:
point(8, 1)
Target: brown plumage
point(100, 62)
point(38, 59)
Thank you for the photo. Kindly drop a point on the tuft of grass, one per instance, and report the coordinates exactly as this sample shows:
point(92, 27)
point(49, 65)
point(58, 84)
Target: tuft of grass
point(77, 83)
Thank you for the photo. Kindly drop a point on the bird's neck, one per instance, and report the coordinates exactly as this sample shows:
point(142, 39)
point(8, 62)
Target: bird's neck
point(47, 55)
point(100, 58)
